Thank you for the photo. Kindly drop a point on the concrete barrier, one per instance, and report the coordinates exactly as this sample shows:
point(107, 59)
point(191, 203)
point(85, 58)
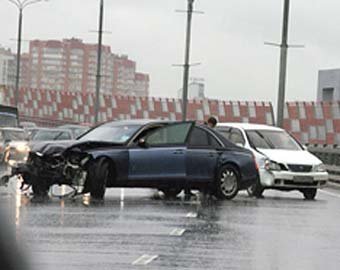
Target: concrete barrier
point(330, 155)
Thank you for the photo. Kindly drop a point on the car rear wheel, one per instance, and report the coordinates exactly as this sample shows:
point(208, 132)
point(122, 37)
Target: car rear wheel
point(227, 182)
point(309, 193)
point(99, 173)
point(171, 192)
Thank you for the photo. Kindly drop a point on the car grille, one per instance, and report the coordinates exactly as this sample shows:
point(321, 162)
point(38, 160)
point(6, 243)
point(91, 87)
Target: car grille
point(299, 168)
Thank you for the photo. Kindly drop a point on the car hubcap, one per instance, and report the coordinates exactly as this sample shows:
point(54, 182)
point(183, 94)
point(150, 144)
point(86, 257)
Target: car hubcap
point(228, 182)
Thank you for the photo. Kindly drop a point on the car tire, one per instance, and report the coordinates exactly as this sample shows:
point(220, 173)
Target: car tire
point(227, 182)
point(99, 173)
point(309, 193)
point(256, 190)
point(171, 192)
point(40, 191)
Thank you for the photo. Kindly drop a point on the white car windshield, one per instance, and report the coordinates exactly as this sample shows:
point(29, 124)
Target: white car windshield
point(113, 134)
point(272, 139)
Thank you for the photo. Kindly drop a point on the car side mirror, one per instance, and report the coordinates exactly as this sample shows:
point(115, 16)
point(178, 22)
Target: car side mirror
point(240, 145)
point(142, 143)
point(304, 147)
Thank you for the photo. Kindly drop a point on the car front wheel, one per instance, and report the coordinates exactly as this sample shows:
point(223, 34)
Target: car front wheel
point(309, 193)
point(227, 182)
point(99, 173)
point(256, 190)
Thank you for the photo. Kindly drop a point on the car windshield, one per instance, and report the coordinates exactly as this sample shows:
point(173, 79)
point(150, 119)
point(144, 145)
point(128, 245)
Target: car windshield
point(270, 139)
point(14, 135)
point(113, 134)
point(50, 135)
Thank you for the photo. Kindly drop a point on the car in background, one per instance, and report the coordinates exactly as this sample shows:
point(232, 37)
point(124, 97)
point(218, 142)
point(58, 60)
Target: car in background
point(77, 130)
point(284, 164)
point(9, 116)
point(14, 148)
point(50, 134)
point(27, 125)
point(169, 156)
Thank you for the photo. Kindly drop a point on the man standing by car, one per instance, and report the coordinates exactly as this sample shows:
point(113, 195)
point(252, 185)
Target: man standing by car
point(211, 122)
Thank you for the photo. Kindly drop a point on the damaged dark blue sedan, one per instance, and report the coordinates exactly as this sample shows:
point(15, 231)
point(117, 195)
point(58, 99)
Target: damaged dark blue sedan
point(169, 156)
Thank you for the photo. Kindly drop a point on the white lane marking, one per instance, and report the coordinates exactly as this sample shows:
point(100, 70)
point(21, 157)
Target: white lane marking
point(145, 259)
point(191, 215)
point(330, 194)
point(177, 232)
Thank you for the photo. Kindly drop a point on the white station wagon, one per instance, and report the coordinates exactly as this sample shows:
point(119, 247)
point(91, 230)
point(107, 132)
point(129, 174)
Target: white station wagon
point(283, 163)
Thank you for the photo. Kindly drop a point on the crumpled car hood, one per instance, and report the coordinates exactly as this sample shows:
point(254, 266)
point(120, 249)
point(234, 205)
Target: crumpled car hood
point(58, 147)
point(51, 147)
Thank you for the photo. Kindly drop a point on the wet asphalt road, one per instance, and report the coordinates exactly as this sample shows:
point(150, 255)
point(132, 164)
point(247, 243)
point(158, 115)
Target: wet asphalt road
point(282, 231)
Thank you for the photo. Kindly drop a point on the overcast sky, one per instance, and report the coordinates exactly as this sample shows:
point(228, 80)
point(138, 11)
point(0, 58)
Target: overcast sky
point(227, 40)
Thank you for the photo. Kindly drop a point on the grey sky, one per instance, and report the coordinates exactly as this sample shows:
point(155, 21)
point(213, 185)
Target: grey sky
point(228, 40)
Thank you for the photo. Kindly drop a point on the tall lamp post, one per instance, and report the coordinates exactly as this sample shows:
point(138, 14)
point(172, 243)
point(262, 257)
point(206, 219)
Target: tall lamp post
point(99, 56)
point(186, 60)
point(21, 5)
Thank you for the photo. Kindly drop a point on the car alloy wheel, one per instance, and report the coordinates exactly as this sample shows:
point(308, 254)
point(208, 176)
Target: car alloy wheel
point(228, 183)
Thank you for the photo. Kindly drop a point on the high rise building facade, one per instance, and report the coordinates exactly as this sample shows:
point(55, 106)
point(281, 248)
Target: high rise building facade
point(71, 65)
point(7, 67)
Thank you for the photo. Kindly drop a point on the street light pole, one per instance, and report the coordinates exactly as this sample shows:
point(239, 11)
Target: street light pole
point(283, 66)
point(99, 56)
point(17, 78)
point(20, 4)
point(186, 61)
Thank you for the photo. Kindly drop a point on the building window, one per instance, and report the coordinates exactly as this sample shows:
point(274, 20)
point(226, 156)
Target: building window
point(335, 110)
point(236, 109)
point(151, 105)
point(312, 133)
point(114, 102)
point(329, 126)
point(221, 109)
point(318, 111)
point(199, 115)
point(252, 110)
point(321, 133)
point(285, 112)
point(138, 104)
point(302, 111)
point(304, 137)
point(269, 118)
point(327, 94)
point(164, 105)
point(295, 124)
point(133, 110)
point(206, 107)
point(178, 106)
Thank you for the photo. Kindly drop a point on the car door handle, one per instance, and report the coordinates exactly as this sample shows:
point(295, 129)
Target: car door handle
point(178, 152)
point(211, 154)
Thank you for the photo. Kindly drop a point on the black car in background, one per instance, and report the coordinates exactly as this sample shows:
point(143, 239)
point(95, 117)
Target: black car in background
point(77, 130)
point(50, 134)
point(169, 156)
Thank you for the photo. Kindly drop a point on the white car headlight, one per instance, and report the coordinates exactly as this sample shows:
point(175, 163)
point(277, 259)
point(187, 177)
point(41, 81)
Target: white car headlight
point(272, 166)
point(319, 168)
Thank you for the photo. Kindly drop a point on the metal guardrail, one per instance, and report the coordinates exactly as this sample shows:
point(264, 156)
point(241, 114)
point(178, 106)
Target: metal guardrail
point(330, 156)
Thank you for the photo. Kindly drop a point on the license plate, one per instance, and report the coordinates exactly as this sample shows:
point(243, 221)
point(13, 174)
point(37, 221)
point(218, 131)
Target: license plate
point(303, 179)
